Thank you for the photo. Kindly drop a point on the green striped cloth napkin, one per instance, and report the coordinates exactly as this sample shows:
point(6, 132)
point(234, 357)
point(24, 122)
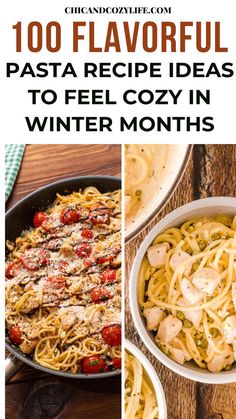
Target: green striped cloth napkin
point(13, 158)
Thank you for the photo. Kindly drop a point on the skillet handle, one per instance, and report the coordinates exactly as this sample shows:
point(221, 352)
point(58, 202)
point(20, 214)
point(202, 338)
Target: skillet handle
point(12, 365)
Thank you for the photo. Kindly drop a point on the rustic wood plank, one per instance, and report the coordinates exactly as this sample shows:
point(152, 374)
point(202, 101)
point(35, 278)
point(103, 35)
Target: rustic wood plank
point(43, 164)
point(216, 402)
point(27, 373)
point(64, 398)
point(214, 170)
point(32, 394)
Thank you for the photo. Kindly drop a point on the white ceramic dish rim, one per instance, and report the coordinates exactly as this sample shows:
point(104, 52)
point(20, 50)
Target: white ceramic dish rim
point(165, 199)
point(160, 395)
point(183, 370)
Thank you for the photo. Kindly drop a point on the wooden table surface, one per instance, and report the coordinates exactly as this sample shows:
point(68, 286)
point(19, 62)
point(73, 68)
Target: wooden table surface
point(210, 172)
point(30, 393)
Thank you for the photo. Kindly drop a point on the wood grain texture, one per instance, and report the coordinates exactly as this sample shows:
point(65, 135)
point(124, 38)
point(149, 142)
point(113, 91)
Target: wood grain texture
point(51, 397)
point(43, 164)
point(211, 172)
point(32, 394)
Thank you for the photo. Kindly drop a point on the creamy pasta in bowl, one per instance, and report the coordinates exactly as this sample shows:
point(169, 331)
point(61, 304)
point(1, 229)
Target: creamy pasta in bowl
point(182, 290)
point(152, 171)
point(143, 394)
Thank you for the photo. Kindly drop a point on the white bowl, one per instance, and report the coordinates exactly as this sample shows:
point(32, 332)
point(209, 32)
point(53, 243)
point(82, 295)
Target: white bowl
point(177, 159)
point(201, 207)
point(160, 395)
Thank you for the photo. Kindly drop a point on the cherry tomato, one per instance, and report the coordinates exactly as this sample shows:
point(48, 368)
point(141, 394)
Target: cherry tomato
point(70, 216)
point(112, 335)
point(93, 364)
point(39, 218)
point(116, 363)
point(15, 335)
point(87, 234)
point(62, 265)
point(87, 263)
point(105, 259)
point(34, 259)
point(99, 295)
point(56, 282)
point(84, 250)
point(99, 215)
point(11, 270)
point(108, 276)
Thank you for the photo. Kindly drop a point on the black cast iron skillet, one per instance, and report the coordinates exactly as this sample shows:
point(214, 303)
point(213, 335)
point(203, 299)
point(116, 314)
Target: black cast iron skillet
point(19, 218)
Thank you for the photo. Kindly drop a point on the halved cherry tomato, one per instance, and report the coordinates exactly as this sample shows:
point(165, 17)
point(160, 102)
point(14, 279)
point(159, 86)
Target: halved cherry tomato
point(15, 335)
point(84, 250)
point(105, 259)
point(70, 216)
point(39, 218)
point(34, 259)
point(108, 276)
point(116, 363)
point(100, 294)
point(93, 364)
point(56, 282)
point(87, 263)
point(112, 335)
point(11, 270)
point(87, 234)
point(62, 265)
point(99, 215)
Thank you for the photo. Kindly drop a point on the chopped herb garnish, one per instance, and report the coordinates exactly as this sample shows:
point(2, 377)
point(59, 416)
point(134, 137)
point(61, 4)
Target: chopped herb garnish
point(95, 362)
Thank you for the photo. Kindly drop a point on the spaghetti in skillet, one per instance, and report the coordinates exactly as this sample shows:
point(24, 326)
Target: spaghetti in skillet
point(63, 284)
point(187, 292)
